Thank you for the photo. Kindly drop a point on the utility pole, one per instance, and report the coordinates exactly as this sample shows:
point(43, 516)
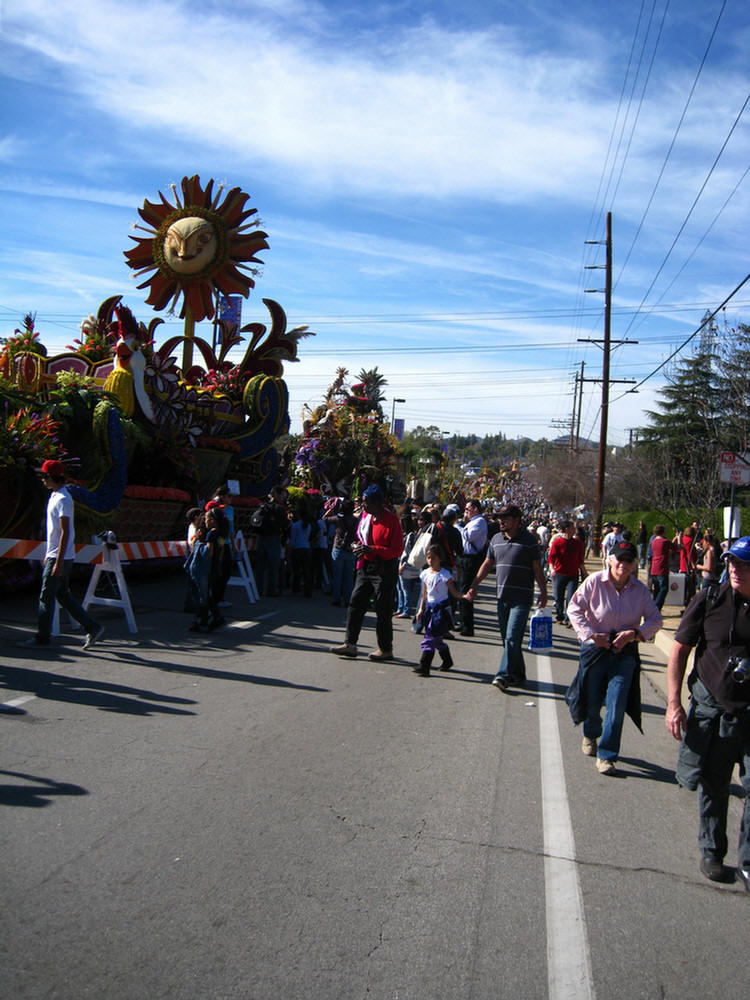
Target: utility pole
point(580, 405)
point(571, 446)
point(606, 347)
point(605, 391)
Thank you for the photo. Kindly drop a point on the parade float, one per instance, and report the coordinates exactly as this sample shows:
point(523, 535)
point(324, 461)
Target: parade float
point(346, 443)
point(143, 433)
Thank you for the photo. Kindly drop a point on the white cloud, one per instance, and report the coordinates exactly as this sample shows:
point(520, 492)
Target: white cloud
point(431, 113)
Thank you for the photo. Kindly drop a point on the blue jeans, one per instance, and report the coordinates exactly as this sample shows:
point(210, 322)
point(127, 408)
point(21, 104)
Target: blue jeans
point(607, 683)
point(407, 589)
point(565, 587)
point(512, 620)
point(268, 563)
point(342, 575)
point(661, 589)
point(55, 588)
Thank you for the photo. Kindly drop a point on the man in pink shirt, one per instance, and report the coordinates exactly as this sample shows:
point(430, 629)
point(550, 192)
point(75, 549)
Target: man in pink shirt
point(611, 613)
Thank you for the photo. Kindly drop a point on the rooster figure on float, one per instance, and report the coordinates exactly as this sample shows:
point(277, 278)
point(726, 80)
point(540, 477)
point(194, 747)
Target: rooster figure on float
point(197, 247)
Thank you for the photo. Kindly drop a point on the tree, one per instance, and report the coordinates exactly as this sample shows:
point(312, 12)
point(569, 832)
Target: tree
point(734, 383)
point(679, 448)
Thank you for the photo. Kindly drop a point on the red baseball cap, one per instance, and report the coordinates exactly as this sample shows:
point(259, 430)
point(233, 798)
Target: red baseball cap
point(53, 468)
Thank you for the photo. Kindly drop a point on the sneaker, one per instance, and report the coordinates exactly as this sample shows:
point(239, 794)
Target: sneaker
point(501, 683)
point(605, 766)
point(713, 869)
point(93, 637)
point(33, 641)
point(345, 649)
point(588, 747)
point(381, 655)
point(744, 875)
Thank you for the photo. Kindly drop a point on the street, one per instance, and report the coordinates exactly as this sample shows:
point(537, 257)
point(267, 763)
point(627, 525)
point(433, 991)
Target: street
point(243, 816)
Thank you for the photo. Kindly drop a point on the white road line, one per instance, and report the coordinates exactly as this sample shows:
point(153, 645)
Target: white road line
point(568, 959)
point(17, 701)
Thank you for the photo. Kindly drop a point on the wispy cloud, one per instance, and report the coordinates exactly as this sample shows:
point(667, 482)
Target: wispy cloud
point(427, 111)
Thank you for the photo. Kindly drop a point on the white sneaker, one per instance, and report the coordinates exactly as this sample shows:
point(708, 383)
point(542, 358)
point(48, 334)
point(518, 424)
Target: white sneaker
point(605, 766)
point(93, 637)
point(588, 747)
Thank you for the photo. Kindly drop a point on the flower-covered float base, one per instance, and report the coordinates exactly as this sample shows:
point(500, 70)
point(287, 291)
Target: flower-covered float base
point(136, 417)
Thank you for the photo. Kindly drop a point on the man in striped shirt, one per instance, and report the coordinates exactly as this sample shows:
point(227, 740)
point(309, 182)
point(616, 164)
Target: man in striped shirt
point(514, 554)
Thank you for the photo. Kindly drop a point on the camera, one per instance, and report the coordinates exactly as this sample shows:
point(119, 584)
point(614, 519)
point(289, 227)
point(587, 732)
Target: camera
point(739, 668)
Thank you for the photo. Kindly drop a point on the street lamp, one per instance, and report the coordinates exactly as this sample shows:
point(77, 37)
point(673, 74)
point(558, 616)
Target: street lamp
point(393, 412)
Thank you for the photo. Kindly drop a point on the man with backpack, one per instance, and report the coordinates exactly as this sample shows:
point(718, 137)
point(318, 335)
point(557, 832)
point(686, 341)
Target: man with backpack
point(270, 525)
point(715, 733)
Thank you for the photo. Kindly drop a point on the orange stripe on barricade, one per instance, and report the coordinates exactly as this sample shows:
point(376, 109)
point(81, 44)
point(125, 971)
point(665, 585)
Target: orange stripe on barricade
point(152, 550)
point(26, 548)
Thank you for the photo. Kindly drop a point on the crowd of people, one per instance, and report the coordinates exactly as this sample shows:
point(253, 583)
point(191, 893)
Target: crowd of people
point(427, 562)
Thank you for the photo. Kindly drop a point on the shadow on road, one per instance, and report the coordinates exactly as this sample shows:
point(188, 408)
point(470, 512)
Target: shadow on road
point(37, 795)
point(210, 674)
point(97, 694)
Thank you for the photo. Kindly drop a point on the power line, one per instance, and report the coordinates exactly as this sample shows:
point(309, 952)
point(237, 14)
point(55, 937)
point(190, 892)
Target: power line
point(672, 143)
point(692, 209)
point(695, 333)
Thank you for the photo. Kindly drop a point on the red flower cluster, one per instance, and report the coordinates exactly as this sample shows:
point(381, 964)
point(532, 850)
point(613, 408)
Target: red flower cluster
point(156, 493)
point(220, 444)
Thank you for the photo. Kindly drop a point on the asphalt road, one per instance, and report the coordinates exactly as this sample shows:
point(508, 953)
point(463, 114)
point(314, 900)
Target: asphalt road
point(243, 815)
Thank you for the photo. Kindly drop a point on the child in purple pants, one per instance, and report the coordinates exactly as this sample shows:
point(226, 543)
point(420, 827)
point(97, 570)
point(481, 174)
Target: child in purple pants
point(434, 611)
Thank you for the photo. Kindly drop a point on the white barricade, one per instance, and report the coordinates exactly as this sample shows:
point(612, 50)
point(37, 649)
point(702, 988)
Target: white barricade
point(244, 577)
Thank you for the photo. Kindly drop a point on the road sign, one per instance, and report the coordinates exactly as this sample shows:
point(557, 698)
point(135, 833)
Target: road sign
point(734, 468)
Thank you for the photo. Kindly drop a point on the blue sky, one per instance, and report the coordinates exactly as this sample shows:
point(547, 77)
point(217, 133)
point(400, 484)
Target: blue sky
point(427, 173)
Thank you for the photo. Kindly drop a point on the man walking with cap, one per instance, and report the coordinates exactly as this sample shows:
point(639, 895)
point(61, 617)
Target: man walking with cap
point(377, 550)
point(58, 562)
point(514, 553)
point(611, 613)
point(715, 734)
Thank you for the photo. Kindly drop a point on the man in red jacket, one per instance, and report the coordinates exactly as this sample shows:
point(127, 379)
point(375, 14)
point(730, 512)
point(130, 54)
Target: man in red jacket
point(661, 549)
point(380, 542)
point(566, 563)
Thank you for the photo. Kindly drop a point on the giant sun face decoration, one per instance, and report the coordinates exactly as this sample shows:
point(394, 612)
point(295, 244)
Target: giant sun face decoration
point(196, 247)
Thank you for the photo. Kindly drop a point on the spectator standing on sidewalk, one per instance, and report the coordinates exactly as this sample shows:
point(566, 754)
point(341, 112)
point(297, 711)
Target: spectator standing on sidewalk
point(408, 576)
point(514, 554)
point(660, 549)
point(380, 543)
point(341, 515)
point(58, 562)
point(474, 535)
point(715, 734)
point(271, 526)
point(567, 566)
point(641, 540)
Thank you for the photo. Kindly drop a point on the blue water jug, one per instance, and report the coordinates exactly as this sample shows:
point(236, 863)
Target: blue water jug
point(540, 631)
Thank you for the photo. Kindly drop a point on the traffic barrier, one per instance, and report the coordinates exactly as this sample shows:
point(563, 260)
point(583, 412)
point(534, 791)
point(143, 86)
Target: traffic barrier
point(244, 577)
point(24, 548)
point(110, 564)
point(108, 558)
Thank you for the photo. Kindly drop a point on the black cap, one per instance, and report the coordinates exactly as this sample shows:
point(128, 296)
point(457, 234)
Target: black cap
point(624, 550)
point(509, 510)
